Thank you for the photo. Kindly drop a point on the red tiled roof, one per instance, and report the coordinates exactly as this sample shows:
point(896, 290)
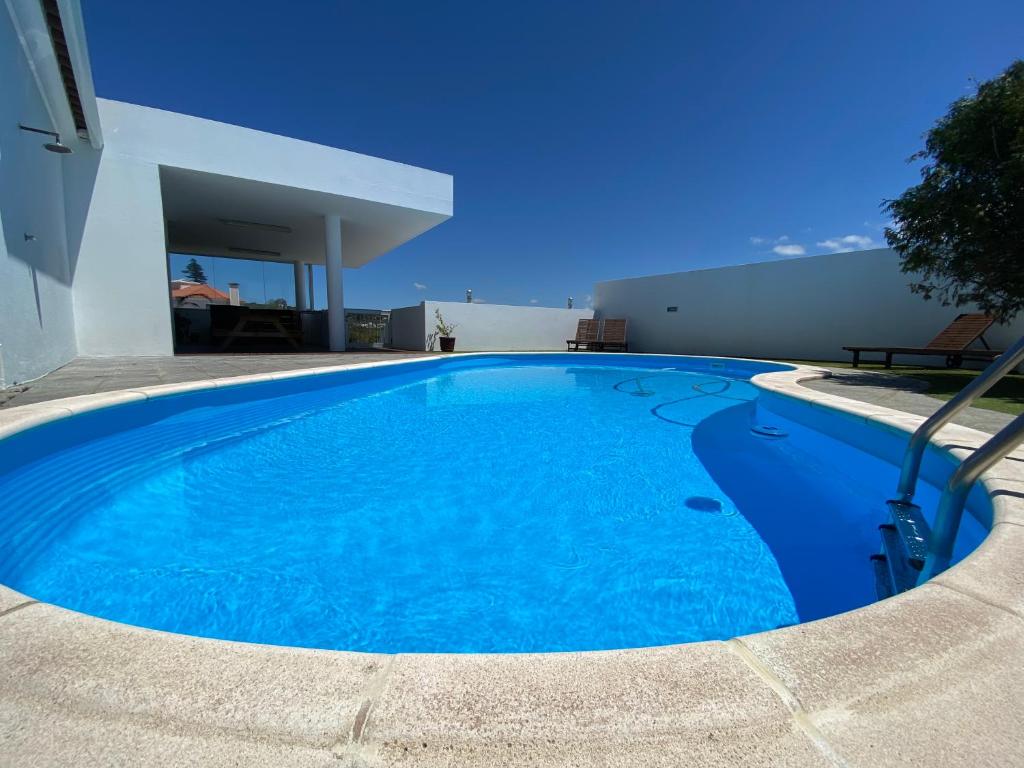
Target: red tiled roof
point(198, 289)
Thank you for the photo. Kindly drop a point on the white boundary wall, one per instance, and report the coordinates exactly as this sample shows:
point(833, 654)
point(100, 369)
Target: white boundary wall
point(487, 327)
point(807, 309)
point(407, 328)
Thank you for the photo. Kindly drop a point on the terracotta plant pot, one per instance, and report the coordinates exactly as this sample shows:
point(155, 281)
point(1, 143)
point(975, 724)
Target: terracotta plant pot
point(447, 343)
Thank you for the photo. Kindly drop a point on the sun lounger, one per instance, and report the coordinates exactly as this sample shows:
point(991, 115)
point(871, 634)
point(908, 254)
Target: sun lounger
point(613, 336)
point(952, 343)
point(586, 336)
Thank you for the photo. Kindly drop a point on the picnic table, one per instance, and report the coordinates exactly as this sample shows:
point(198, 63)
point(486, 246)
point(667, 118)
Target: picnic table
point(231, 323)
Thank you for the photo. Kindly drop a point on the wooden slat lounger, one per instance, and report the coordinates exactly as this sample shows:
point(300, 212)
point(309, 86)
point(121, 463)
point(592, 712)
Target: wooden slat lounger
point(586, 335)
point(952, 343)
point(613, 336)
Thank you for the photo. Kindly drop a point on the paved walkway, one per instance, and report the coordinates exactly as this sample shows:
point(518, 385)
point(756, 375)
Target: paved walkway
point(88, 375)
point(902, 393)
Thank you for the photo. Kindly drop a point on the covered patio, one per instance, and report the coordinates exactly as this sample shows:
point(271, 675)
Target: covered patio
point(235, 218)
point(215, 190)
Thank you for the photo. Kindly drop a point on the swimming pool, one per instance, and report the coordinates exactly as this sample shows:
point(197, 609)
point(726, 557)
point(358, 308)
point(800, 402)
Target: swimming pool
point(468, 504)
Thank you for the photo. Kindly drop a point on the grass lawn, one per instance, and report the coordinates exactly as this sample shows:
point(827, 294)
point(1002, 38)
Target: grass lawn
point(1007, 396)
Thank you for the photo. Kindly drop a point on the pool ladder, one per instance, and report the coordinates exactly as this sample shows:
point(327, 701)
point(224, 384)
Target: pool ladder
point(913, 552)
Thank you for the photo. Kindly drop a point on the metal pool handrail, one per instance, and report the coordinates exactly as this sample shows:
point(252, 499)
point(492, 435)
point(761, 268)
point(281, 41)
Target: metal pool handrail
point(1001, 366)
point(951, 506)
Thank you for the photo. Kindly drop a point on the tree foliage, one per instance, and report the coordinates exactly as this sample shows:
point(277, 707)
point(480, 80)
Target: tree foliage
point(960, 232)
point(194, 271)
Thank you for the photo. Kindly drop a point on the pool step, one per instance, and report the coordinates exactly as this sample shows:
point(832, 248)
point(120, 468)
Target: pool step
point(904, 549)
point(902, 570)
point(883, 579)
point(913, 530)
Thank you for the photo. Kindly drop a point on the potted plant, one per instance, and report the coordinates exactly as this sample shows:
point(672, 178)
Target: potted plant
point(444, 333)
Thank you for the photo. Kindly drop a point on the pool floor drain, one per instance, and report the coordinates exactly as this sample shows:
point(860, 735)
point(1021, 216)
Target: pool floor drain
point(704, 504)
point(767, 431)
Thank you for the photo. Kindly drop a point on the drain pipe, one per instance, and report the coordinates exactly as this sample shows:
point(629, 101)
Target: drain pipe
point(954, 497)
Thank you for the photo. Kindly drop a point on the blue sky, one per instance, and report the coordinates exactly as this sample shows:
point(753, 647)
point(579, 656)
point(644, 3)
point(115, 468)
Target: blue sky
point(588, 141)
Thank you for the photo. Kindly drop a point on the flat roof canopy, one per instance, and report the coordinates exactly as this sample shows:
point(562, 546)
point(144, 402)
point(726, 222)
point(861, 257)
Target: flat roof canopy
point(233, 191)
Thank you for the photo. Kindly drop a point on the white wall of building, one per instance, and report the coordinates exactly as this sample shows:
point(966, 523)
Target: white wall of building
point(487, 327)
point(122, 304)
point(37, 329)
point(806, 308)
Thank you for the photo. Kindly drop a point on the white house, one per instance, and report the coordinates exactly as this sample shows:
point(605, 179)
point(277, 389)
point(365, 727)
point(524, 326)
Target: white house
point(139, 183)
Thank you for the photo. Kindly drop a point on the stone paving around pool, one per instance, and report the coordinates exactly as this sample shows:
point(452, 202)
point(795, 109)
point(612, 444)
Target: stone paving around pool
point(89, 375)
point(902, 393)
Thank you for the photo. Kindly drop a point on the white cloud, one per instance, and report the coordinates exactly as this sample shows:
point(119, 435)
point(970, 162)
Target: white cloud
point(847, 243)
point(533, 301)
point(789, 250)
point(861, 241)
point(756, 240)
point(479, 301)
point(419, 286)
point(783, 239)
point(589, 299)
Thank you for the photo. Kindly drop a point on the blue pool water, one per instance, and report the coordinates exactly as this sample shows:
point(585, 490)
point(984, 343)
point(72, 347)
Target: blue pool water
point(540, 504)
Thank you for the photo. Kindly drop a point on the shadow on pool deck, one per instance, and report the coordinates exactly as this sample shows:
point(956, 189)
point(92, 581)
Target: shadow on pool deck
point(903, 393)
point(89, 375)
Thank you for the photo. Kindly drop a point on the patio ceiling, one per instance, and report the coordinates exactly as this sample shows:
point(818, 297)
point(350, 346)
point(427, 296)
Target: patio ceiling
point(222, 215)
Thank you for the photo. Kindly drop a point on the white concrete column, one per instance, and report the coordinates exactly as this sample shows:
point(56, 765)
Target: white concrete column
point(300, 286)
point(335, 287)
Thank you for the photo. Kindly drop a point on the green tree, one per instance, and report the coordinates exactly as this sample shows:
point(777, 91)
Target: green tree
point(194, 271)
point(961, 230)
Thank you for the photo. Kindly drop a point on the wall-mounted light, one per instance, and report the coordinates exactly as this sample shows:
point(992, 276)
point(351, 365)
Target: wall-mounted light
point(257, 225)
point(50, 146)
point(255, 252)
